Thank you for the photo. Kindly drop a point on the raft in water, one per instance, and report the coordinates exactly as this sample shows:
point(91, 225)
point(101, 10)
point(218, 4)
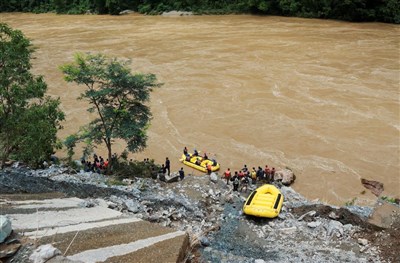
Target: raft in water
point(203, 163)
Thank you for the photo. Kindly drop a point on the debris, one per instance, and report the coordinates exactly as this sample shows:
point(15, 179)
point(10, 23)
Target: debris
point(5, 228)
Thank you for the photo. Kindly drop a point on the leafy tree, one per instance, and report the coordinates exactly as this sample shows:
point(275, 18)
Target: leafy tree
point(118, 98)
point(28, 119)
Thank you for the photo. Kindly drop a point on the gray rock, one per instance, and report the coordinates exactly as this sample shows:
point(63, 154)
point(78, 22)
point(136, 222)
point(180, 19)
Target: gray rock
point(259, 261)
point(177, 13)
point(229, 198)
point(132, 206)
point(288, 230)
point(310, 213)
point(335, 227)
point(173, 178)
point(5, 228)
point(213, 177)
point(87, 203)
point(126, 12)
point(44, 253)
point(333, 215)
point(285, 176)
point(204, 241)
point(154, 218)
point(348, 228)
point(112, 205)
point(314, 224)
point(362, 241)
point(362, 211)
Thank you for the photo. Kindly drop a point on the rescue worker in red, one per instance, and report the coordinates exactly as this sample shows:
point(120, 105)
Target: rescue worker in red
point(227, 175)
point(209, 168)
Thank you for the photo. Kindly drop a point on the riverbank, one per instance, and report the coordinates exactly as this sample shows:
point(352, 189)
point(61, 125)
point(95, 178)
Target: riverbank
point(211, 214)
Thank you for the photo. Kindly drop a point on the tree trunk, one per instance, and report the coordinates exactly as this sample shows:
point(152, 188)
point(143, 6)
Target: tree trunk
point(110, 161)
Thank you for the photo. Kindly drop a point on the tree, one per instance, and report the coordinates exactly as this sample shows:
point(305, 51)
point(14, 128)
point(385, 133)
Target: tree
point(29, 120)
point(117, 97)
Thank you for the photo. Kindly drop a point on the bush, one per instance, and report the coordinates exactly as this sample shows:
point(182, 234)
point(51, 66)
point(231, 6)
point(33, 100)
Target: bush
point(133, 169)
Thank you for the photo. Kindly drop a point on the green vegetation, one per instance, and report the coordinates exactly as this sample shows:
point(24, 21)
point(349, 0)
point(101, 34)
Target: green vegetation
point(350, 10)
point(132, 169)
point(29, 120)
point(118, 98)
point(351, 202)
point(389, 199)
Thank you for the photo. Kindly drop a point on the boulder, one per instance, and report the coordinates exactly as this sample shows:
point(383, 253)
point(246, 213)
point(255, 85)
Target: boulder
point(9, 248)
point(362, 241)
point(44, 253)
point(5, 228)
point(126, 12)
point(375, 187)
point(173, 178)
point(132, 206)
point(335, 227)
point(308, 214)
point(285, 176)
point(214, 177)
point(177, 13)
point(314, 224)
point(204, 241)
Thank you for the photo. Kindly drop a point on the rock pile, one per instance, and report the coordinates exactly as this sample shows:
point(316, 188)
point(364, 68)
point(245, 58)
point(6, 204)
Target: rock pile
point(207, 209)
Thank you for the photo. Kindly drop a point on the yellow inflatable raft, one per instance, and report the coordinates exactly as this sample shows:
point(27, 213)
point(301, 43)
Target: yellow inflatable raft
point(198, 163)
point(265, 201)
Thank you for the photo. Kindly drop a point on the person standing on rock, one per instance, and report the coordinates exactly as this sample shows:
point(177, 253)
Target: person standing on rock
point(167, 165)
point(209, 168)
point(253, 175)
point(267, 173)
point(236, 181)
point(181, 173)
point(227, 175)
point(272, 174)
point(244, 184)
point(260, 174)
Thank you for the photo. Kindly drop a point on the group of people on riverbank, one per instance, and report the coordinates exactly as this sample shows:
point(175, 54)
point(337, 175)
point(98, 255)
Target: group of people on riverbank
point(98, 165)
point(244, 176)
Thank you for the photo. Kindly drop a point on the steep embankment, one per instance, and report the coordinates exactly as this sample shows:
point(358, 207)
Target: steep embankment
point(211, 214)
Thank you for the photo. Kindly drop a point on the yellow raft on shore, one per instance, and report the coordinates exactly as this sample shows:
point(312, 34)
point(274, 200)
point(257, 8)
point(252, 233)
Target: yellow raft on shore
point(191, 162)
point(265, 201)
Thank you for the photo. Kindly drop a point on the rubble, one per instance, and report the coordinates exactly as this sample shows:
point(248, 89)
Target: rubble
point(211, 213)
point(5, 228)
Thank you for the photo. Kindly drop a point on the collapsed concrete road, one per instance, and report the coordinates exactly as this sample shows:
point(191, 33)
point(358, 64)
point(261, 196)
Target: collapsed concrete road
point(93, 234)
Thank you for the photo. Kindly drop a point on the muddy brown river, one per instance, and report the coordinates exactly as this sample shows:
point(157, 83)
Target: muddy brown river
point(320, 97)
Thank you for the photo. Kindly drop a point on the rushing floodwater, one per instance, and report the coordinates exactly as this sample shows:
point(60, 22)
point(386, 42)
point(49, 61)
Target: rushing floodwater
point(321, 97)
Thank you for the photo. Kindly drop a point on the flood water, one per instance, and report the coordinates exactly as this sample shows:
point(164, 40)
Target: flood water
point(320, 97)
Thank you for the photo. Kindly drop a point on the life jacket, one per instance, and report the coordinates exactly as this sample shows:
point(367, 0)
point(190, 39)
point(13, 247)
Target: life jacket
point(227, 174)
